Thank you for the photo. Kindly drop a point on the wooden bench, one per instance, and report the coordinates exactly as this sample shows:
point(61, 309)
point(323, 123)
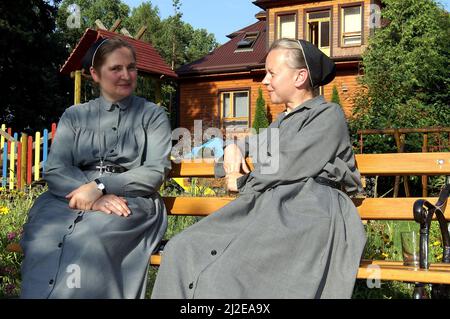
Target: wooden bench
point(395, 164)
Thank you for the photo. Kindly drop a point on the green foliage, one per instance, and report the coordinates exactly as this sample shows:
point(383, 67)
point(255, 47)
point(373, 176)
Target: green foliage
point(406, 69)
point(335, 96)
point(14, 206)
point(33, 94)
point(260, 120)
point(107, 11)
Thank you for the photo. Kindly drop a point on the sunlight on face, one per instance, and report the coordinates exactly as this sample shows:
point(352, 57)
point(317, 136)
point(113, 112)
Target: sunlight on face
point(118, 75)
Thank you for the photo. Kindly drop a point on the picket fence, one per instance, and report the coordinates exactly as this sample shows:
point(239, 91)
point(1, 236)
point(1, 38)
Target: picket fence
point(23, 160)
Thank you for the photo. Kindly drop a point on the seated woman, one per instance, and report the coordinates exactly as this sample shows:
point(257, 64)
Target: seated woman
point(91, 234)
point(292, 232)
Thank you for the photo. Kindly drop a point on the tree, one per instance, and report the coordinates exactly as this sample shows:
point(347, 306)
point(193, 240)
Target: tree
point(108, 11)
point(406, 69)
point(145, 15)
point(33, 94)
point(260, 121)
point(335, 96)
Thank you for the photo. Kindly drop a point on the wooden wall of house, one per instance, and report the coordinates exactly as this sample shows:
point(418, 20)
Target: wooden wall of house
point(346, 82)
point(334, 4)
point(200, 99)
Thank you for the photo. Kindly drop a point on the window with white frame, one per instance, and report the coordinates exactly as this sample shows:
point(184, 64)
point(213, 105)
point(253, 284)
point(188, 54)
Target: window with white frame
point(351, 26)
point(234, 107)
point(286, 26)
point(319, 29)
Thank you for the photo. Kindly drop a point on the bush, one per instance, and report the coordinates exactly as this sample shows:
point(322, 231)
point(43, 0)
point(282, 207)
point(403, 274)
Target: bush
point(335, 96)
point(260, 120)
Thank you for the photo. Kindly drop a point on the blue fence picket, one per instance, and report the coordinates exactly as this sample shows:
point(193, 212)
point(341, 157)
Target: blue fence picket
point(5, 164)
point(44, 150)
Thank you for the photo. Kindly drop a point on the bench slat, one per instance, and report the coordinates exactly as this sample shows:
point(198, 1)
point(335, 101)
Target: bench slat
point(388, 270)
point(192, 169)
point(368, 208)
point(435, 275)
point(404, 164)
point(388, 164)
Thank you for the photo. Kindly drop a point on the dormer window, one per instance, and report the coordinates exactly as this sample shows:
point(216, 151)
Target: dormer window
point(247, 43)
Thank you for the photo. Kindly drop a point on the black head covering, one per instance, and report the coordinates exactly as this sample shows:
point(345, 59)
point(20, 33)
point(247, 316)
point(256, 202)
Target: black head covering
point(321, 68)
point(88, 58)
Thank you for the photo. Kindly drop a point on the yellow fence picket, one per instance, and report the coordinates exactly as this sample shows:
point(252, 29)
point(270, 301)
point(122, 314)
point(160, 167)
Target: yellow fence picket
point(37, 155)
point(12, 162)
point(2, 138)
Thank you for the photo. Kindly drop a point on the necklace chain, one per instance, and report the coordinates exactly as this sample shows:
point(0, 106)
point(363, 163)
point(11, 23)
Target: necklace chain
point(101, 168)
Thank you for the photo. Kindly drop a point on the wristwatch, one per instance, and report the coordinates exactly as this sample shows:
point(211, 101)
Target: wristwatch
point(100, 186)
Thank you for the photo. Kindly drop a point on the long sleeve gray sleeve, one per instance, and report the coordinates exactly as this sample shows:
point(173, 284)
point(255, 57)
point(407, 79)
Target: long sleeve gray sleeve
point(147, 178)
point(308, 145)
point(61, 175)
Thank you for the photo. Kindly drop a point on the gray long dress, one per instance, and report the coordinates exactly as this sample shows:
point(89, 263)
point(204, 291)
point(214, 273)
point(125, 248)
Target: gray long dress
point(285, 236)
point(89, 254)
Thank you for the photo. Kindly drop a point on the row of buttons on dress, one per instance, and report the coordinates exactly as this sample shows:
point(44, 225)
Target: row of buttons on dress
point(213, 253)
point(60, 244)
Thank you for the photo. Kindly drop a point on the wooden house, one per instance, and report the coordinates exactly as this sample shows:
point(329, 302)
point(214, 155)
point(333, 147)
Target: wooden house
point(221, 88)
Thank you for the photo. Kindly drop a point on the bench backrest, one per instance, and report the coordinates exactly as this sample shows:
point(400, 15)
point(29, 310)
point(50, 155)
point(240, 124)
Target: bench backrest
point(393, 164)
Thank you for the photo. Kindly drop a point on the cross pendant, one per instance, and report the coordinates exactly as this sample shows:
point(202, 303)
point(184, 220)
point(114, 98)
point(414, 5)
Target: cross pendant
point(101, 168)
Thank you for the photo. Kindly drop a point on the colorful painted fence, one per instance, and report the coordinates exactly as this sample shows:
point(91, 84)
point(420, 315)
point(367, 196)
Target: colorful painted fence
point(23, 160)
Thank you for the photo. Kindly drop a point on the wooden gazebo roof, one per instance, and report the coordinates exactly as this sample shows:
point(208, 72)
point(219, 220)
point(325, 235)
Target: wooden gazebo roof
point(148, 59)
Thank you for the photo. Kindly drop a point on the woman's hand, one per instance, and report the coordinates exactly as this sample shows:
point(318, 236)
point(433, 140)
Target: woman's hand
point(111, 203)
point(233, 164)
point(84, 196)
point(232, 181)
point(233, 161)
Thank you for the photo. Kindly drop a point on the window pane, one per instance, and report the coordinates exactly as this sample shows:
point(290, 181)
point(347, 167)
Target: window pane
point(352, 40)
point(287, 26)
point(226, 107)
point(235, 124)
point(319, 15)
point(325, 34)
point(313, 33)
point(352, 19)
point(241, 104)
point(247, 41)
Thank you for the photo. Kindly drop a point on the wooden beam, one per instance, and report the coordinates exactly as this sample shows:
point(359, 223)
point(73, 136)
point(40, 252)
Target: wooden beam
point(140, 32)
point(77, 88)
point(126, 32)
point(115, 25)
point(100, 25)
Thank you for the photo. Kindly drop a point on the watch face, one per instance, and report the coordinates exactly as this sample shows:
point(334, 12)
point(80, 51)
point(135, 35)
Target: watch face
point(101, 186)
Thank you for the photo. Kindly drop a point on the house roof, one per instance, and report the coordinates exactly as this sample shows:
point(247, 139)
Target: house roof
point(228, 58)
point(148, 59)
point(264, 4)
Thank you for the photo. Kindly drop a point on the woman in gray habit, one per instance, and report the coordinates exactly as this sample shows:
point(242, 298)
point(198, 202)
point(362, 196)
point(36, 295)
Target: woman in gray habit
point(91, 234)
point(293, 232)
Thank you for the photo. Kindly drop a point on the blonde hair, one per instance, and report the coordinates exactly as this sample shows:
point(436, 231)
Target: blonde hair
point(294, 57)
